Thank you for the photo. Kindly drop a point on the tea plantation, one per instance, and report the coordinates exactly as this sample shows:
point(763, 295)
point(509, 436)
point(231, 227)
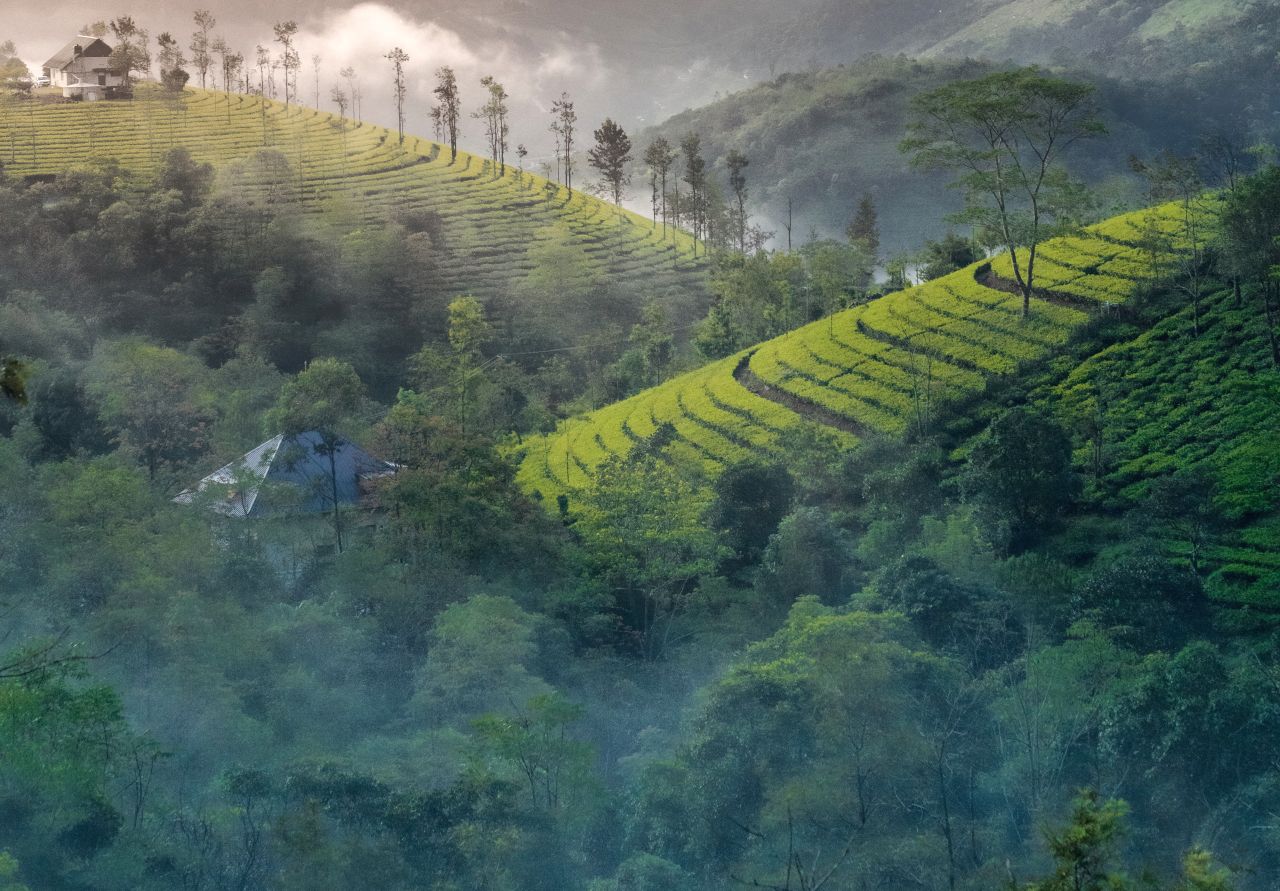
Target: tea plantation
point(490, 224)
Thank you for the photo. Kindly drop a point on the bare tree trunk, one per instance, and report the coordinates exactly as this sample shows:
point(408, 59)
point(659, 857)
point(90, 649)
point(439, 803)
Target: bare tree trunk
point(333, 482)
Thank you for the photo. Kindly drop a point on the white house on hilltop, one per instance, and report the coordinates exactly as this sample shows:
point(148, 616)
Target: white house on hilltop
point(82, 69)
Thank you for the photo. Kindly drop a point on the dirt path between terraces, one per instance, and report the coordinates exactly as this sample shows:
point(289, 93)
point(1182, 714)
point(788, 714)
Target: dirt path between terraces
point(988, 279)
point(821, 415)
point(803, 407)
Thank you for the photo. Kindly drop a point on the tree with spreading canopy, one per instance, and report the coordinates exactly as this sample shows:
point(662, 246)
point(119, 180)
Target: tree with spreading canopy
point(1003, 136)
point(645, 540)
point(130, 54)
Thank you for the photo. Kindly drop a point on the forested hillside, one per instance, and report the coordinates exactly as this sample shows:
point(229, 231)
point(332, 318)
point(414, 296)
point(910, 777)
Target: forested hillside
point(822, 140)
point(580, 563)
point(467, 226)
point(1166, 41)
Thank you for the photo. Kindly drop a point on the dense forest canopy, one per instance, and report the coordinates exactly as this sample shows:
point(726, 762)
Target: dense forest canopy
point(963, 584)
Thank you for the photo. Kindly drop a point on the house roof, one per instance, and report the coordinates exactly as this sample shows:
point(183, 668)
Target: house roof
point(288, 475)
point(89, 46)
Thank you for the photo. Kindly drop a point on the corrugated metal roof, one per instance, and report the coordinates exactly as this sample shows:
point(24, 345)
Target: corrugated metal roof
point(65, 56)
point(288, 475)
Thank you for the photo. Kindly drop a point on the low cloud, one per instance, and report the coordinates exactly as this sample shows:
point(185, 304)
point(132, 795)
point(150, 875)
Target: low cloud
point(534, 70)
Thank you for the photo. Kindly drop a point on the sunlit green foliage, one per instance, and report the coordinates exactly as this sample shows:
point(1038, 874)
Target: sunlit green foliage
point(888, 366)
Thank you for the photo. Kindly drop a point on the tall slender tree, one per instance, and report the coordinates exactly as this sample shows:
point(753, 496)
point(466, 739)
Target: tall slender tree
point(494, 114)
point(659, 157)
point(565, 120)
point(398, 57)
point(610, 156)
point(1174, 178)
point(737, 163)
point(554, 127)
point(790, 220)
point(263, 60)
point(202, 48)
point(290, 60)
point(695, 176)
point(521, 153)
point(353, 90)
point(446, 92)
point(315, 67)
point(220, 48)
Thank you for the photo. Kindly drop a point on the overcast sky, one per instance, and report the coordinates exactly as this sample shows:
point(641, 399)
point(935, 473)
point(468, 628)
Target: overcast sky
point(632, 66)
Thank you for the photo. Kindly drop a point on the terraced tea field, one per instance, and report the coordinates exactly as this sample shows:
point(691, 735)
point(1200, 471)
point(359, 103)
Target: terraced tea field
point(883, 368)
point(886, 368)
point(489, 223)
point(1166, 402)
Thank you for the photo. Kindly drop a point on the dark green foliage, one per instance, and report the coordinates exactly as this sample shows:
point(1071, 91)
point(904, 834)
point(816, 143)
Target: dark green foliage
point(751, 499)
point(952, 616)
point(1084, 850)
point(12, 380)
point(1151, 604)
point(1018, 475)
point(610, 155)
point(826, 673)
point(65, 746)
point(809, 556)
point(951, 253)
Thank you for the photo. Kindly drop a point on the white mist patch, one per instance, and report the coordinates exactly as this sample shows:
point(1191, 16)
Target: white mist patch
point(534, 69)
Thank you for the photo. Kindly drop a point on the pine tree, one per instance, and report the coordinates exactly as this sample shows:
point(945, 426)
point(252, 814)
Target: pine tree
point(864, 229)
point(610, 155)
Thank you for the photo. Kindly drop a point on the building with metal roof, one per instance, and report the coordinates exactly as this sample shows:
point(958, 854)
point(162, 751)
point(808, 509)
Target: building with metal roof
point(83, 70)
point(297, 474)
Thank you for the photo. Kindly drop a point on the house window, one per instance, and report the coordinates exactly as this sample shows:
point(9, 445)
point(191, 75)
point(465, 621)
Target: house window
point(102, 80)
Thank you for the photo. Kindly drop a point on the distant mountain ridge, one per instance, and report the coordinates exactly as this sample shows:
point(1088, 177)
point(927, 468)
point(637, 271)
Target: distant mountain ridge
point(824, 138)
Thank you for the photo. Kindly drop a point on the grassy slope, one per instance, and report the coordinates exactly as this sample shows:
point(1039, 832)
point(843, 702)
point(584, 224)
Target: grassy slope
point(359, 170)
point(887, 367)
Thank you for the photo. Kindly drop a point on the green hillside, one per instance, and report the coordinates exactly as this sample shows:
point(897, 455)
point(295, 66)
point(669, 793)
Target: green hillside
point(490, 225)
point(1171, 403)
point(880, 368)
point(822, 139)
point(898, 365)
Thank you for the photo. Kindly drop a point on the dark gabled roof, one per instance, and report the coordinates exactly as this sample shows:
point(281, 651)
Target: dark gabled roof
point(89, 46)
point(288, 475)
